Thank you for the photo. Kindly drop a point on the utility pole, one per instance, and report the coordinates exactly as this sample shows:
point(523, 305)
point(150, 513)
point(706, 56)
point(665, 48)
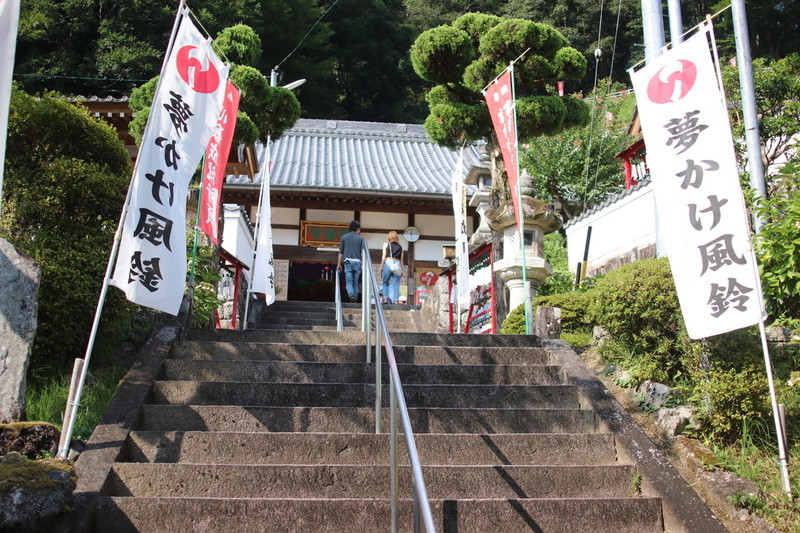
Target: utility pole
point(653, 28)
point(744, 63)
point(675, 21)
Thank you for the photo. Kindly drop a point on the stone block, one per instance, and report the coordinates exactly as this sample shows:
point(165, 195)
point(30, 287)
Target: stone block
point(548, 322)
point(655, 394)
point(19, 287)
point(674, 419)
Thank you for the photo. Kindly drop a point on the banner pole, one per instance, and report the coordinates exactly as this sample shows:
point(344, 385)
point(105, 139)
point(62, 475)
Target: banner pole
point(193, 263)
point(783, 462)
point(526, 287)
point(71, 411)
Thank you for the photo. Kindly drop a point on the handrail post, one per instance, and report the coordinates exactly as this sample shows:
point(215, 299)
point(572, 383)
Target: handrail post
point(415, 511)
point(421, 503)
point(338, 297)
point(393, 448)
point(378, 376)
point(366, 325)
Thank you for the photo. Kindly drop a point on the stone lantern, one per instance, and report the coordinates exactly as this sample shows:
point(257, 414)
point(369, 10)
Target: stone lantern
point(480, 176)
point(539, 219)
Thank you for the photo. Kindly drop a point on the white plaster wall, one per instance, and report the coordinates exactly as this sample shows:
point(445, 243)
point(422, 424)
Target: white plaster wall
point(429, 250)
point(388, 221)
point(285, 215)
point(236, 238)
point(623, 226)
point(435, 225)
point(285, 236)
point(323, 215)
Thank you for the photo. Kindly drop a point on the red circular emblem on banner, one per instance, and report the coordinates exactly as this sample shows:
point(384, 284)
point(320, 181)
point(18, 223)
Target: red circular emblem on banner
point(190, 69)
point(672, 82)
point(428, 278)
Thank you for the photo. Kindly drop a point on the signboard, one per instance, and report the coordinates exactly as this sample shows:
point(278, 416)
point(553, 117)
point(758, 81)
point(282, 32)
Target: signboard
point(322, 234)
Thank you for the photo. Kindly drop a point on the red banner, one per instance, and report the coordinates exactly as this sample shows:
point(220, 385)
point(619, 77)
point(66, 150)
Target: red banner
point(219, 146)
point(500, 100)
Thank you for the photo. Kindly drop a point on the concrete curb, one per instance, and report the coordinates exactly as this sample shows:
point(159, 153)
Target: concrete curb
point(123, 412)
point(682, 508)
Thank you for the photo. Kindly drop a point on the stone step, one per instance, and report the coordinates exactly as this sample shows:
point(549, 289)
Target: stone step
point(362, 419)
point(367, 449)
point(351, 337)
point(283, 306)
point(361, 395)
point(211, 515)
point(316, 372)
point(346, 481)
point(421, 355)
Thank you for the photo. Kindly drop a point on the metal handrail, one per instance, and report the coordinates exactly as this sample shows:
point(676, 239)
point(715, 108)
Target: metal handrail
point(397, 403)
point(338, 297)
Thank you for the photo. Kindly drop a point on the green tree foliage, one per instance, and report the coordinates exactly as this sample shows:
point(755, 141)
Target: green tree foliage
point(639, 307)
point(774, 26)
point(263, 110)
point(777, 95)
point(427, 14)
point(577, 167)
point(106, 47)
point(368, 48)
point(555, 253)
point(778, 245)
point(91, 47)
point(65, 182)
point(617, 25)
point(464, 57)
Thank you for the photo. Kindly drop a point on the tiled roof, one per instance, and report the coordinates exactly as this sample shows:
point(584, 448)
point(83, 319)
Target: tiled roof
point(362, 156)
point(608, 201)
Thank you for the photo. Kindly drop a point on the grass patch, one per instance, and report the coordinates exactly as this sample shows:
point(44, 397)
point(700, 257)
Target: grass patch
point(758, 463)
point(47, 399)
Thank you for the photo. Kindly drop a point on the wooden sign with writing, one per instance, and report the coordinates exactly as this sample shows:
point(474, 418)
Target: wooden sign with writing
point(322, 234)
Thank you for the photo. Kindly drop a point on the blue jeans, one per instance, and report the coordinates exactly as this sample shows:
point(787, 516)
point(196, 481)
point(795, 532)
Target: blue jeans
point(352, 273)
point(391, 283)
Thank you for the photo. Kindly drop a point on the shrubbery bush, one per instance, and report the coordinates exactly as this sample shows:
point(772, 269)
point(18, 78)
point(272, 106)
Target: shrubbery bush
point(728, 398)
point(638, 306)
point(65, 182)
point(722, 376)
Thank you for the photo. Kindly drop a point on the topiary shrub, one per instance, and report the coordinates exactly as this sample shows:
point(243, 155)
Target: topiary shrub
point(639, 307)
point(514, 324)
point(574, 307)
point(65, 183)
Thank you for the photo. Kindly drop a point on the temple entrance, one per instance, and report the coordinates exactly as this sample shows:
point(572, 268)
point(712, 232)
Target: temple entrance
point(312, 281)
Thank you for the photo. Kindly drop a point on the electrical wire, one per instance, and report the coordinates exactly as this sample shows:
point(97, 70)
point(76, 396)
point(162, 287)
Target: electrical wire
point(306, 35)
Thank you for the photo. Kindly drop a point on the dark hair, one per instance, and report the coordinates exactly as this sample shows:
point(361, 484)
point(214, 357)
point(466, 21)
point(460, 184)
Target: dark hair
point(355, 225)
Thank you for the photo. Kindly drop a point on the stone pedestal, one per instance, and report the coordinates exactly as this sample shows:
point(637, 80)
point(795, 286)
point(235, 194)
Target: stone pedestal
point(538, 220)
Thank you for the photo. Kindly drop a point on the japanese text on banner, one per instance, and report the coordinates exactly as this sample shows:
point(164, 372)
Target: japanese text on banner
point(216, 158)
point(702, 213)
point(500, 101)
point(151, 264)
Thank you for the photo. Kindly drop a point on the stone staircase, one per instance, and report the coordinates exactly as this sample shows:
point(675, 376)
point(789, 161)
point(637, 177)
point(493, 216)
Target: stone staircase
point(321, 316)
point(273, 430)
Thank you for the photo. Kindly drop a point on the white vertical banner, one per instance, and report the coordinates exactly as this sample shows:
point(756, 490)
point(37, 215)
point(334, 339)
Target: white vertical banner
point(462, 250)
point(9, 20)
point(700, 203)
point(151, 264)
point(263, 271)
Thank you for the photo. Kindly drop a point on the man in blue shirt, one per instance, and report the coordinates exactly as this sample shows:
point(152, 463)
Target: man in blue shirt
point(350, 258)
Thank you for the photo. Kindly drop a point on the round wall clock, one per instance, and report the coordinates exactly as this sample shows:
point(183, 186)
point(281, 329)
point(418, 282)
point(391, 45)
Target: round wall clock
point(411, 234)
